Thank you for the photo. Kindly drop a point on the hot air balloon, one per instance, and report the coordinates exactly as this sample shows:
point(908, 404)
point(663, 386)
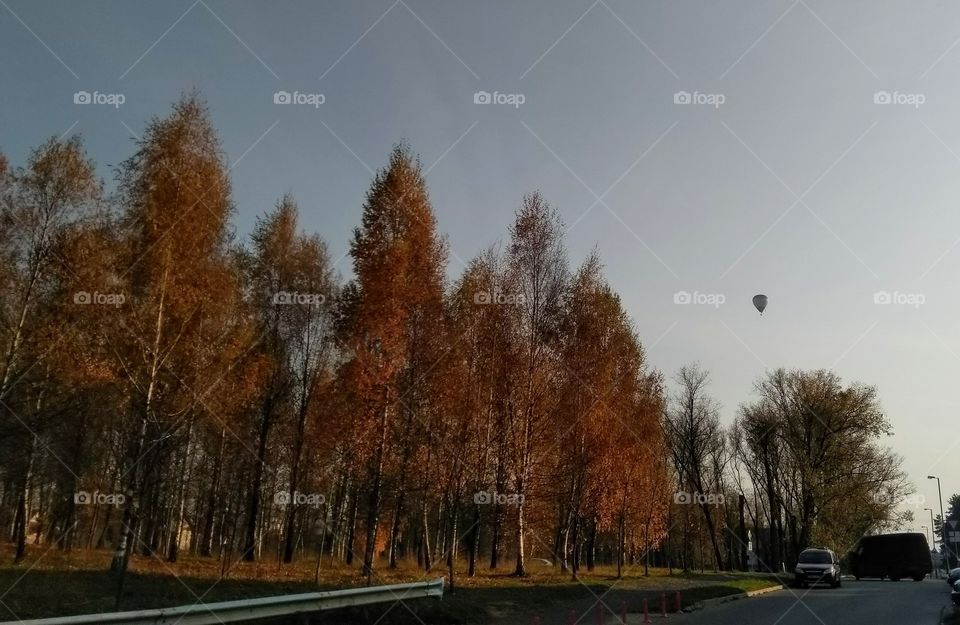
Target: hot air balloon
point(760, 302)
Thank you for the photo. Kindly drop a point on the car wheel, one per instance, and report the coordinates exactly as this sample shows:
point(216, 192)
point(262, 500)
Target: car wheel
point(918, 578)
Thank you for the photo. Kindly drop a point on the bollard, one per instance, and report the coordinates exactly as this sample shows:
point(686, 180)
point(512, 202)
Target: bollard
point(623, 613)
point(678, 602)
point(536, 620)
point(572, 619)
point(663, 604)
point(599, 614)
point(646, 612)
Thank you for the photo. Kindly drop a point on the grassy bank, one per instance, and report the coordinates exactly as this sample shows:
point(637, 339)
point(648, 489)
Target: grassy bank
point(56, 584)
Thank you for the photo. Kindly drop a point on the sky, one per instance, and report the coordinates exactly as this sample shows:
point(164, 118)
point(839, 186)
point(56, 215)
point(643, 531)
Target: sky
point(805, 149)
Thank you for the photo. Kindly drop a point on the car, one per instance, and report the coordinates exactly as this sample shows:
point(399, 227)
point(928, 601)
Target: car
point(817, 566)
point(892, 556)
point(953, 577)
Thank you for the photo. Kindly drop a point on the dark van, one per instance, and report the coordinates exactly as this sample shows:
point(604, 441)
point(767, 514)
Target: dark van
point(892, 555)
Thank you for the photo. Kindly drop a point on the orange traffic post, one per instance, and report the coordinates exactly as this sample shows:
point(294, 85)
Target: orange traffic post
point(623, 613)
point(646, 612)
point(572, 619)
point(679, 604)
point(663, 604)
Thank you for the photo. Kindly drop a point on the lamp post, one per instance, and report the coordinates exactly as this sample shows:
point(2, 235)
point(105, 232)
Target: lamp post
point(933, 539)
point(943, 522)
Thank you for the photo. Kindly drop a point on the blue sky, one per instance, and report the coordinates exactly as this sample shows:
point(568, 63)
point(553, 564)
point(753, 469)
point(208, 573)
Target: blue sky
point(818, 160)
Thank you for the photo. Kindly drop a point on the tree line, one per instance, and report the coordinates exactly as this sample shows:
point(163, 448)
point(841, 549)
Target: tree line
point(166, 385)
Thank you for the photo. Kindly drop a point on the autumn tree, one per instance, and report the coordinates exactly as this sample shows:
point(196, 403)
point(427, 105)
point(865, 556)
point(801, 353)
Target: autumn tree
point(40, 202)
point(294, 290)
point(394, 330)
point(175, 193)
point(608, 410)
point(538, 267)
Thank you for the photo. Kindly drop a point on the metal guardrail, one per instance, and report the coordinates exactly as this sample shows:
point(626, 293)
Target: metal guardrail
point(249, 609)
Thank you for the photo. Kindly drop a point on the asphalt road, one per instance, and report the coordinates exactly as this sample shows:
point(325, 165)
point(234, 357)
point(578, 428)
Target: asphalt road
point(855, 603)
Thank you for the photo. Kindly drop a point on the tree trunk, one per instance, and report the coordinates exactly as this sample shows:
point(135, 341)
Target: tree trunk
point(742, 528)
point(206, 542)
point(495, 537)
point(592, 545)
point(708, 517)
point(474, 542)
point(352, 529)
point(174, 542)
point(575, 551)
point(395, 525)
point(425, 535)
point(291, 539)
point(621, 538)
point(373, 509)
point(250, 541)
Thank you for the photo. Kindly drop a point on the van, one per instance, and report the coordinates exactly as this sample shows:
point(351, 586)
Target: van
point(893, 556)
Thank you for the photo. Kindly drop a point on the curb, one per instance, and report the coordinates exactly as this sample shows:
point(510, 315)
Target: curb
point(700, 605)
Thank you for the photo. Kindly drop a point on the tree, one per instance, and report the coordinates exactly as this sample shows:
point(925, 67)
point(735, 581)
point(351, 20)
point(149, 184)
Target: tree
point(537, 266)
point(296, 289)
point(394, 321)
point(40, 203)
point(609, 409)
point(696, 441)
point(815, 446)
point(175, 193)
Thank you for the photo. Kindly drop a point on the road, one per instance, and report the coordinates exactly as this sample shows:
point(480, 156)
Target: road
point(856, 603)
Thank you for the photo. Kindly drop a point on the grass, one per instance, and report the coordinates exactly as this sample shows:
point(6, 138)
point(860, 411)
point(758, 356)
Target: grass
point(53, 583)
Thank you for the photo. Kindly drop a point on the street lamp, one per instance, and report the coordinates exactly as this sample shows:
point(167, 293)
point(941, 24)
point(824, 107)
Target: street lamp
point(933, 538)
point(943, 521)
